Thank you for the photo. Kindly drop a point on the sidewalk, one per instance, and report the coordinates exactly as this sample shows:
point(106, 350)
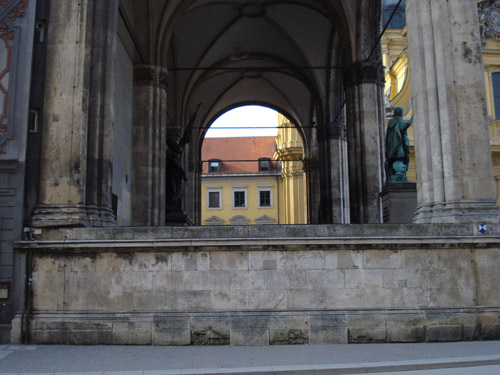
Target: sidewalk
point(421, 359)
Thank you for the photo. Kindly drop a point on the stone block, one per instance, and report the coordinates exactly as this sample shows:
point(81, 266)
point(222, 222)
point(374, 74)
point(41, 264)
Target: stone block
point(210, 331)
point(305, 299)
point(229, 261)
point(366, 328)
point(309, 260)
point(267, 260)
point(384, 298)
point(402, 278)
point(132, 333)
point(345, 298)
point(249, 280)
point(229, 300)
point(191, 300)
point(419, 259)
point(405, 327)
point(267, 299)
point(210, 280)
point(190, 261)
point(490, 332)
point(415, 297)
point(331, 259)
point(445, 333)
point(250, 337)
point(327, 329)
point(382, 259)
point(152, 262)
point(488, 282)
point(364, 279)
point(325, 279)
point(350, 259)
point(250, 330)
point(267, 231)
point(171, 281)
point(288, 279)
point(171, 330)
point(443, 318)
point(153, 300)
point(291, 336)
point(405, 334)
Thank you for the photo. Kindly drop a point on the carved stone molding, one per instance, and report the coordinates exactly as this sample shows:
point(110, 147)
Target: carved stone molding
point(489, 19)
point(363, 72)
point(151, 75)
point(10, 11)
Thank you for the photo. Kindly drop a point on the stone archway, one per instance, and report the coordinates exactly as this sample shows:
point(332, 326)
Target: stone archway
point(308, 58)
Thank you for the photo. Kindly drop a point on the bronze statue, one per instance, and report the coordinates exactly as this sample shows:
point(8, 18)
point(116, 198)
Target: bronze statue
point(397, 148)
point(175, 171)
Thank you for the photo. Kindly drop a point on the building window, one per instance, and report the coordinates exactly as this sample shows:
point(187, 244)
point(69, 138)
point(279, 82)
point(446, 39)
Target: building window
point(214, 198)
point(239, 197)
point(33, 121)
point(214, 166)
point(264, 165)
point(495, 78)
point(265, 198)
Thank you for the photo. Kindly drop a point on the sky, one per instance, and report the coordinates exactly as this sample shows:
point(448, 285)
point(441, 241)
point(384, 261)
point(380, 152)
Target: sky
point(263, 119)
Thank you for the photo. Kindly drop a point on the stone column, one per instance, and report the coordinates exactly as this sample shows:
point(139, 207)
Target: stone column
point(339, 174)
point(101, 113)
point(452, 149)
point(149, 145)
point(75, 160)
point(365, 124)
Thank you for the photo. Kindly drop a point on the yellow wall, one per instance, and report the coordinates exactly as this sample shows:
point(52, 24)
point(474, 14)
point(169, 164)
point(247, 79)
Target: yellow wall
point(227, 184)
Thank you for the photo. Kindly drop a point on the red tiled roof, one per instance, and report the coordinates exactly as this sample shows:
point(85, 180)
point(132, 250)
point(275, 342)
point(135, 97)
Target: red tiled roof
point(238, 148)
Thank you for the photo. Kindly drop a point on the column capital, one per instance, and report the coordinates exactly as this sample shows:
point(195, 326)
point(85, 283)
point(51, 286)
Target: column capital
point(151, 75)
point(363, 72)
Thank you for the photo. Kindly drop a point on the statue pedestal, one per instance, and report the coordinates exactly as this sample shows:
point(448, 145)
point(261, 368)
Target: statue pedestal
point(399, 201)
point(177, 219)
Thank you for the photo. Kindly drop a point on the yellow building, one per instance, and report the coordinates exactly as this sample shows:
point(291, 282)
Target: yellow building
point(254, 180)
point(398, 83)
point(240, 181)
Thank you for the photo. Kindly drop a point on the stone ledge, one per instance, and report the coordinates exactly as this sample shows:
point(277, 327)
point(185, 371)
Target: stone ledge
point(218, 244)
point(258, 328)
point(269, 232)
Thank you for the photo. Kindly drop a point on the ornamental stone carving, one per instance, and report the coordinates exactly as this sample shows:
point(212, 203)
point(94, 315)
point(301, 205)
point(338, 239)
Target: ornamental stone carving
point(489, 19)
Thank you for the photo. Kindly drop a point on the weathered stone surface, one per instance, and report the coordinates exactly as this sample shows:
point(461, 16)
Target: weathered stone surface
point(171, 331)
point(132, 333)
point(210, 331)
point(438, 284)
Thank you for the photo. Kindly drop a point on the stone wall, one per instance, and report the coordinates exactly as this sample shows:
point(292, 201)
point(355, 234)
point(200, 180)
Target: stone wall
point(300, 288)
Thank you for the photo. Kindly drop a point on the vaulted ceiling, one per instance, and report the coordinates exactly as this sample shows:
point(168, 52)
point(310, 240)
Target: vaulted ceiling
point(225, 53)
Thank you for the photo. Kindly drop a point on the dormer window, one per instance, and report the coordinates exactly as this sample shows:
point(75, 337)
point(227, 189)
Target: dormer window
point(264, 165)
point(214, 166)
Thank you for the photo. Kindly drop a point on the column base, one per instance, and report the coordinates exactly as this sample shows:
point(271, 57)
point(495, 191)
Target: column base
point(72, 216)
point(457, 212)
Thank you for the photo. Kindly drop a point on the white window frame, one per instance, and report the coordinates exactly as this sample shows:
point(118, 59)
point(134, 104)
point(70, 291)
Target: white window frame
point(265, 188)
point(214, 189)
point(240, 188)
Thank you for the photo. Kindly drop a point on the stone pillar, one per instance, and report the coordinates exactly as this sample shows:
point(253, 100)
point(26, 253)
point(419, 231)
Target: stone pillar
point(339, 174)
point(452, 149)
point(365, 124)
point(149, 145)
point(75, 171)
point(101, 113)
